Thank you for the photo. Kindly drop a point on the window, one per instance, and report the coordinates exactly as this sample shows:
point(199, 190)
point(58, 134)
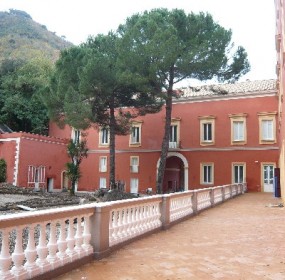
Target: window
point(104, 136)
point(134, 161)
point(134, 185)
point(103, 164)
point(238, 173)
point(207, 126)
point(135, 137)
point(207, 173)
point(75, 136)
point(207, 132)
point(174, 134)
point(103, 183)
point(267, 128)
point(238, 129)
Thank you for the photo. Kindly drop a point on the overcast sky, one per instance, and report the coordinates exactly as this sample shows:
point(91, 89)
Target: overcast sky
point(252, 21)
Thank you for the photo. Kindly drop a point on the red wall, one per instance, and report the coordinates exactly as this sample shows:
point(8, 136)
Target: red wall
point(35, 150)
point(7, 152)
point(222, 153)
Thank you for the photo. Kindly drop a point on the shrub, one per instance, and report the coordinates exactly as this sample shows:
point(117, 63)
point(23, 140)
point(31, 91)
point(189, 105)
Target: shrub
point(3, 170)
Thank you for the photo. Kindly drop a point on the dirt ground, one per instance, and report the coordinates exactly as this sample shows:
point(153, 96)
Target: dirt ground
point(244, 238)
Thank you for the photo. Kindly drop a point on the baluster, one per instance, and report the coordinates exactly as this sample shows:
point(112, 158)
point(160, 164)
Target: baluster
point(5, 258)
point(152, 219)
point(70, 240)
point(127, 223)
point(111, 228)
point(18, 256)
point(132, 225)
point(52, 246)
point(158, 215)
point(124, 224)
point(87, 237)
point(140, 219)
point(144, 217)
point(42, 250)
point(137, 220)
point(31, 254)
point(130, 222)
point(147, 221)
point(62, 244)
point(78, 238)
point(120, 227)
point(115, 226)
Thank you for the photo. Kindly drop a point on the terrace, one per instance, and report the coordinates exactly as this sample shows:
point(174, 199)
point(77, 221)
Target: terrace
point(60, 239)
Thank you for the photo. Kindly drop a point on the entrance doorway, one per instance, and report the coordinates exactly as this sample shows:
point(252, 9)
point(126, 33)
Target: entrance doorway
point(268, 177)
point(50, 184)
point(176, 173)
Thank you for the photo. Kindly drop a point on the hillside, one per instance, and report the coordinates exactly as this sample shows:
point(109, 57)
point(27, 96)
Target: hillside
point(22, 38)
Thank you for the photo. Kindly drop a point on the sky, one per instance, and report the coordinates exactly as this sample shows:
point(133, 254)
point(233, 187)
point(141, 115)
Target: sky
point(251, 21)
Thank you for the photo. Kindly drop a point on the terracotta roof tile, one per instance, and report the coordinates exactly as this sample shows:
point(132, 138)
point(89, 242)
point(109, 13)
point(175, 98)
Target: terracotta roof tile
point(232, 89)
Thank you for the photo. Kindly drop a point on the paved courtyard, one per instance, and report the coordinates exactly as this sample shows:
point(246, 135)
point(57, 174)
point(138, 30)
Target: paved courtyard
point(244, 238)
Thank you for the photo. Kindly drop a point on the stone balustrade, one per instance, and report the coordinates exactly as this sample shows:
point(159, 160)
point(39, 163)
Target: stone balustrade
point(44, 243)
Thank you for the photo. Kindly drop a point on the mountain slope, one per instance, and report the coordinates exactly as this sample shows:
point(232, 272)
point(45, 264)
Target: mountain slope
point(22, 38)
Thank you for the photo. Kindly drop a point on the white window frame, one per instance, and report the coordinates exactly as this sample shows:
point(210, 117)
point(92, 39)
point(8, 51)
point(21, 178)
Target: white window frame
point(103, 164)
point(207, 121)
point(238, 165)
point(208, 177)
point(102, 183)
point(174, 133)
point(134, 164)
point(135, 134)
point(266, 117)
point(134, 185)
point(104, 140)
point(238, 129)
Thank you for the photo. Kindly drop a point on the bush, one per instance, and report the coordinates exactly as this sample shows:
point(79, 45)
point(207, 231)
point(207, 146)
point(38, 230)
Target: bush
point(3, 170)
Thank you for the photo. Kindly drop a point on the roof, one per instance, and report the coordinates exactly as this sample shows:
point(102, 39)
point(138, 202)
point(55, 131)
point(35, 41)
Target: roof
point(229, 89)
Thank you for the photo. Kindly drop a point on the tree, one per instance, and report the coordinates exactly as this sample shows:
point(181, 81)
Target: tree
point(3, 170)
point(76, 151)
point(21, 105)
point(89, 89)
point(171, 46)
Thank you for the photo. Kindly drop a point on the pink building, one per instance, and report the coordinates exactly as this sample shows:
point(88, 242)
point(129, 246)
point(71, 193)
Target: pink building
point(34, 161)
point(220, 134)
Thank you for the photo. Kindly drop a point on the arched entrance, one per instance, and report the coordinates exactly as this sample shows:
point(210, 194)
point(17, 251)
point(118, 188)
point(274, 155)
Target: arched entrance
point(176, 173)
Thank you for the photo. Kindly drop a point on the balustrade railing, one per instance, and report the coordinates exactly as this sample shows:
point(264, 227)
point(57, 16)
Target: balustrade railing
point(181, 205)
point(218, 194)
point(203, 198)
point(133, 218)
point(36, 243)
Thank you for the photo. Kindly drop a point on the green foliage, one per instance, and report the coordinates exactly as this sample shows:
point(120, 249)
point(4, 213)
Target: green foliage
point(3, 170)
point(23, 38)
point(21, 85)
point(89, 88)
point(27, 52)
point(76, 151)
point(172, 46)
point(167, 47)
